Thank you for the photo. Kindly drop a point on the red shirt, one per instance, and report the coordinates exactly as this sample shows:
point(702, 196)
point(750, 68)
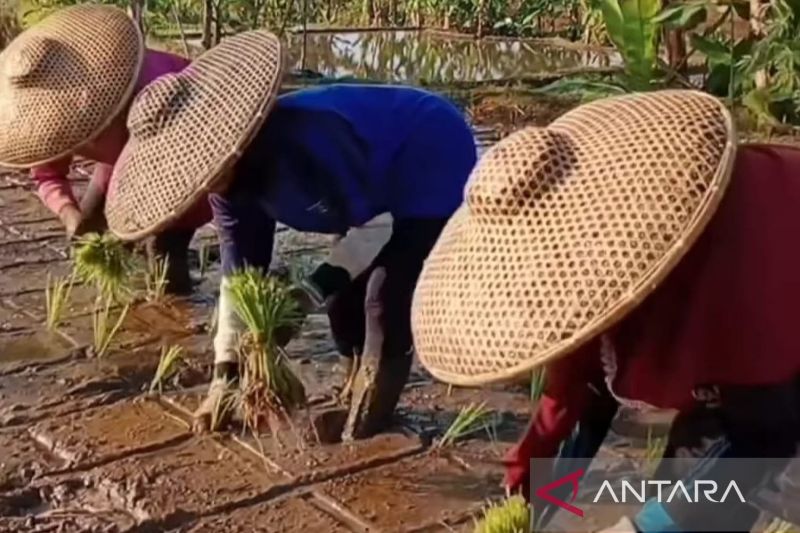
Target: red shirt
point(53, 185)
point(727, 314)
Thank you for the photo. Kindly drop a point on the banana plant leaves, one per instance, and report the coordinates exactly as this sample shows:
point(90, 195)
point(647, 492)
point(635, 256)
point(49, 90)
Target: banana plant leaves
point(634, 29)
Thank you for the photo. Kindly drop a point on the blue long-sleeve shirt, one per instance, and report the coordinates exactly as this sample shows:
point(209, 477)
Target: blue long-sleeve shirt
point(332, 158)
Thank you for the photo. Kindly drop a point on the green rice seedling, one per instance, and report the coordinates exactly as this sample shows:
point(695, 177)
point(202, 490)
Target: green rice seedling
point(470, 419)
point(102, 327)
point(103, 261)
point(56, 296)
point(778, 525)
point(654, 451)
point(270, 390)
point(168, 364)
point(512, 515)
point(155, 278)
point(537, 384)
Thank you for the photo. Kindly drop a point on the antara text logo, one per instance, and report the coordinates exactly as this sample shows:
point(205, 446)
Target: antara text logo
point(625, 491)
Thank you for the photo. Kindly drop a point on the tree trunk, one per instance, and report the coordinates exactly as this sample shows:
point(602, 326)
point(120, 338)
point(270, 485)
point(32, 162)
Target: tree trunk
point(138, 9)
point(218, 23)
point(480, 23)
point(676, 50)
point(368, 12)
point(208, 14)
point(758, 30)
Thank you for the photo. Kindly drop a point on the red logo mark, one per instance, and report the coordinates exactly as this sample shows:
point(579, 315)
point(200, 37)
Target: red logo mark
point(544, 492)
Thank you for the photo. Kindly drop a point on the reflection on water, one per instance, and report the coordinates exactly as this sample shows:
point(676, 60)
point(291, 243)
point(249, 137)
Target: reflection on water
point(414, 57)
point(409, 56)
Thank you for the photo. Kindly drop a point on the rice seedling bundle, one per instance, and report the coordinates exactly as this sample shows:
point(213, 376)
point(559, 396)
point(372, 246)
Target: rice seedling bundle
point(512, 515)
point(105, 262)
point(270, 390)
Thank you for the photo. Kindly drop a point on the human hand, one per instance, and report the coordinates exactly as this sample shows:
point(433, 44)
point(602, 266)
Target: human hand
point(71, 218)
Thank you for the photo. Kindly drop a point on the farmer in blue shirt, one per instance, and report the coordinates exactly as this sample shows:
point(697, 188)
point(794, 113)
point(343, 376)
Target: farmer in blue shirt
point(324, 160)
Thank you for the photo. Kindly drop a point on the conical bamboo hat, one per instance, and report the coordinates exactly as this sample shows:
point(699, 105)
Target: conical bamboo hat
point(565, 229)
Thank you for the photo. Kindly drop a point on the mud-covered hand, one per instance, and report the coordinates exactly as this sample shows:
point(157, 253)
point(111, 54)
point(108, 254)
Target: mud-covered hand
point(71, 218)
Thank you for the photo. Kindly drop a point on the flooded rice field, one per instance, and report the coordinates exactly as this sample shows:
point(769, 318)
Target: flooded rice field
point(411, 56)
point(431, 57)
point(86, 447)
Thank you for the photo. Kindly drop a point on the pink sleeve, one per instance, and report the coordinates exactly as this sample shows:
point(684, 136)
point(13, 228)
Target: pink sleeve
point(52, 185)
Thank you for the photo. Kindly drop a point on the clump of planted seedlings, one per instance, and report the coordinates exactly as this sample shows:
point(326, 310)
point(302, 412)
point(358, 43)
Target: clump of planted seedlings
point(104, 327)
point(155, 278)
point(470, 420)
point(512, 515)
point(56, 297)
point(270, 389)
point(168, 365)
point(105, 262)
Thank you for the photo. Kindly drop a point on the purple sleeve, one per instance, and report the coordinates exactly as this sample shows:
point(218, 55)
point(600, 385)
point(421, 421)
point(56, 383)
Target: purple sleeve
point(246, 232)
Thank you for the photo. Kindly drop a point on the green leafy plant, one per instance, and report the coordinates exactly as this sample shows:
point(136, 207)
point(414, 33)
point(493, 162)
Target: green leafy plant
point(512, 515)
point(168, 364)
point(471, 419)
point(56, 296)
point(155, 278)
point(270, 388)
point(105, 262)
point(104, 328)
point(634, 28)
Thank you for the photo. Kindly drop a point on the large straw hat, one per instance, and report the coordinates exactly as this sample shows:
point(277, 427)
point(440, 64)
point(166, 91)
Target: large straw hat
point(565, 229)
point(188, 129)
point(63, 80)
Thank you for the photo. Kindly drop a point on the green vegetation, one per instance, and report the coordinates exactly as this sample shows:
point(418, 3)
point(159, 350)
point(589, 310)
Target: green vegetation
point(168, 365)
point(537, 384)
point(155, 278)
point(512, 515)
point(105, 262)
point(104, 328)
point(269, 387)
point(471, 419)
point(56, 297)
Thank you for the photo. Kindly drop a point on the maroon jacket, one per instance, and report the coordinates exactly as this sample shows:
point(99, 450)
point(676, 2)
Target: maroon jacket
point(727, 315)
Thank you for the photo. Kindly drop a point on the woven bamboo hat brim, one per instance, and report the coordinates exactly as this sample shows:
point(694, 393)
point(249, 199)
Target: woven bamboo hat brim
point(188, 129)
point(565, 229)
point(64, 80)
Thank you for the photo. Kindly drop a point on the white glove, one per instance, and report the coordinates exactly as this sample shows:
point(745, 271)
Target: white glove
point(229, 327)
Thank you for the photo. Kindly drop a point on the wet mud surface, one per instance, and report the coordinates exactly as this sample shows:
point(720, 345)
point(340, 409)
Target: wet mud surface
point(86, 447)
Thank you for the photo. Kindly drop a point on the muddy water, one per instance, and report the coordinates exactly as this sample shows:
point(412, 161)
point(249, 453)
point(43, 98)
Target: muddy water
point(41, 346)
point(423, 56)
point(413, 57)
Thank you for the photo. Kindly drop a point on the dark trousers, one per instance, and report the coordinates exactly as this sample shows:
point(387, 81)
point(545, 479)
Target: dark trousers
point(402, 257)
